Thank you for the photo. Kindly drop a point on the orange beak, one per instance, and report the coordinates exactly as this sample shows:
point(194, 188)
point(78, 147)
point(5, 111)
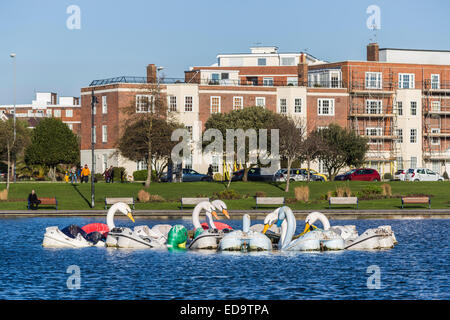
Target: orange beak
point(214, 213)
point(225, 212)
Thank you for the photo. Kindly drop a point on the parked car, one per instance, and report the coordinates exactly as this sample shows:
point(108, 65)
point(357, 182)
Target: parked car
point(254, 174)
point(295, 175)
point(189, 175)
point(400, 175)
point(344, 176)
point(314, 175)
point(362, 174)
point(422, 174)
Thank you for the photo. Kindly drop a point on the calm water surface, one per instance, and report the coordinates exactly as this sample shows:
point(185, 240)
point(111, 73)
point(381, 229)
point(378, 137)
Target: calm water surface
point(417, 268)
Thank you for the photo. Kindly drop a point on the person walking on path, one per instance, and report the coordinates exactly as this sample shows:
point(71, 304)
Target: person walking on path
point(107, 175)
point(111, 174)
point(33, 200)
point(210, 171)
point(73, 175)
point(85, 174)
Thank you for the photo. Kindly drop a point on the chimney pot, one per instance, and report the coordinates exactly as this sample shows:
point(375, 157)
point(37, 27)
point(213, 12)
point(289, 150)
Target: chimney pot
point(372, 52)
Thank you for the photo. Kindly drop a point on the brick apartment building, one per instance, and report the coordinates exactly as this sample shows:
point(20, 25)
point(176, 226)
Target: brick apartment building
point(47, 105)
point(398, 98)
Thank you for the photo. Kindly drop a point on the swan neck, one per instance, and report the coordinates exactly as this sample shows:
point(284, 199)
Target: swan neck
point(110, 217)
point(246, 223)
point(196, 216)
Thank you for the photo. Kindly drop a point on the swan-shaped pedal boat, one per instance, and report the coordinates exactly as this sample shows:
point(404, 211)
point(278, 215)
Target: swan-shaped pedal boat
point(209, 238)
point(75, 237)
point(245, 239)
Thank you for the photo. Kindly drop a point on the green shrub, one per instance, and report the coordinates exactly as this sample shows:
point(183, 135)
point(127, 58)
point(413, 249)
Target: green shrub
point(445, 175)
point(120, 174)
point(141, 175)
point(370, 192)
point(227, 195)
point(98, 177)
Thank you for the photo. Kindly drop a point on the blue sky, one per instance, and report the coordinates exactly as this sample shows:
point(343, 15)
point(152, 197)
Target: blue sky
point(121, 37)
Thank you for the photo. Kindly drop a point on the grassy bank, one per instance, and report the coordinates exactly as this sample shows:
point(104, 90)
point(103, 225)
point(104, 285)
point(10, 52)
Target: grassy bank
point(77, 197)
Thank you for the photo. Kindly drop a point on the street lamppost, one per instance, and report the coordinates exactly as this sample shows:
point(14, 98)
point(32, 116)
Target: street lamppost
point(93, 138)
point(13, 56)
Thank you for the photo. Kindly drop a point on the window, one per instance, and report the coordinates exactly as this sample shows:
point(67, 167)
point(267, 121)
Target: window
point(374, 132)
point(292, 81)
point(104, 134)
point(283, 106)
point(374, 106)
point(400, 163)
point(188, 162)
point(297, 105)
point(104, 162)
point(172, 104)
point(290, 61)
point(70, 126)
point(436, 106)
point(260, 102)
point(436, 166)
point(400, 135)
point(104, 105)
point(261, 61)
point(215, 104)
point(49, 112)
point(188, 103)
point(400, 108)
point(413, 162)
point(435, 140)
point(238, 103)
point(143, 103)
point(225, 76)
point(69, 113)
point(57, 113)
point(215, 163)
point(413, 108)
point(406, 80)
point(325, 107)
point(334, 77)
point(413, 136)
point(373, 80)
point(435, 82)
point(267, 81)
point(215, 77)
point(141, 165)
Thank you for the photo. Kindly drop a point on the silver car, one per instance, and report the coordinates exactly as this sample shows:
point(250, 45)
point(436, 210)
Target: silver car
point(281, 175)
point(422, 174)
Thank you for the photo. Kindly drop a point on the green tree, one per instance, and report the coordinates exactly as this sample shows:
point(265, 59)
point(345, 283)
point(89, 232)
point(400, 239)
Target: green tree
point(53, 143)
point(248, 118)
point(342, 147)
point(11, 148)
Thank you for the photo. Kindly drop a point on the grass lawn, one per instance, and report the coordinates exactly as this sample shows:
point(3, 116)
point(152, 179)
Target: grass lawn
point(77, 197)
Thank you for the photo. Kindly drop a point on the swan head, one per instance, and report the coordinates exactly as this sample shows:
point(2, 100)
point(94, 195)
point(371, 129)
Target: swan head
point(270, 219)
point(312, 218)
point(220, 206)
point(281, 216)
point(125, 209)
point(209, 208)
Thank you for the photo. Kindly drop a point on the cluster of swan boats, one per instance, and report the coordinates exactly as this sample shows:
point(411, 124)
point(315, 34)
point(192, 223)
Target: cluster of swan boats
point(276, 233)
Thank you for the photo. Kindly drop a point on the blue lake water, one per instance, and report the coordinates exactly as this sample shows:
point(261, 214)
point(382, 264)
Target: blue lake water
point(417, 268)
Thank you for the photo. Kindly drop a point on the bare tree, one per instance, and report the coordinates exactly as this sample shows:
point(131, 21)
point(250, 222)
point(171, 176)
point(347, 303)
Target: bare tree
point(312, 146)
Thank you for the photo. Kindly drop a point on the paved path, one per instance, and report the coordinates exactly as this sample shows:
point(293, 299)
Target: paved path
point(254, 214)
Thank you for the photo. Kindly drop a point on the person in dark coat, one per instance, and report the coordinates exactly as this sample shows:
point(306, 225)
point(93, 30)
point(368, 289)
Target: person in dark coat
point(210, 171)
point(33, 200)
point(111, 174)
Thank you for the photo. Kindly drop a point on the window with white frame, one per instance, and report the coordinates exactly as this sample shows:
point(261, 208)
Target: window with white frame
point(104, 105)
point(215, 163)
point(334, 79)
point(288, 61)
point(435, 81)
point(267, 81)
point(435, 140)
point(141, 165)
point(215, 104)
point(238, 103)
point(172, 103)
point(413, 108)
point(399, 135)
point(325, 107)
point(104, 133)
point(188, 103)
point(292, 81)
point(436, 166)
point(436, 106)
point(374, 106)
point(373, 80)
point(104, 162)
point(283, 105)
point(374, 132)
point(413, 136)
point(215, 78)
point(298, 105)
point(144, 103)
point(260, 101)
point(261, 61)
point(406, 80)
point(413, 162)
point(399, 108)
point(49, 112)
point(400, 163)
point(57, 113)
point(69, 113)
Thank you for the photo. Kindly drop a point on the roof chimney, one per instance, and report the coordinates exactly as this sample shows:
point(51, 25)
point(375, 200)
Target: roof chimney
point(302, 71)
point(151, 73)
point(372, 52)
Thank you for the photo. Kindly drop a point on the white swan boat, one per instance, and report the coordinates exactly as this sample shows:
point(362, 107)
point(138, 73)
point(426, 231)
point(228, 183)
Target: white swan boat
point(308, 240)
point(55, 238)
point(245, 239)
point(209, 238)
point(377, 238)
